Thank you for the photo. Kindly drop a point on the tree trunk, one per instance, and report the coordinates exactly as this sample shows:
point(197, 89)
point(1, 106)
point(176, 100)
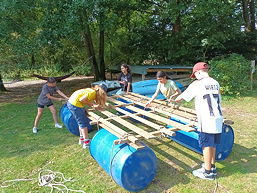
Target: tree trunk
point(177, 24)
point(252, 15)
point(101, 47)
point(33, 60)
point(246, 15)
point(2, 88)
point(89, 44)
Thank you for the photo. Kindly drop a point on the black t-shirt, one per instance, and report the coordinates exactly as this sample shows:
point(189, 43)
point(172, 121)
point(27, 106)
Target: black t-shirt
point(126, 78)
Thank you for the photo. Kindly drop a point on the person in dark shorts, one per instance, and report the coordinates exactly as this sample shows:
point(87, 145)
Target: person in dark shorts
point(206, 92)
point(125, 78)
point(45, 99)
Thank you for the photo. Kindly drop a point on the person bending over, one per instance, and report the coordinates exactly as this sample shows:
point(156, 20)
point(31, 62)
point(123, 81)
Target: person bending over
point(93, 97)
point(166, 86)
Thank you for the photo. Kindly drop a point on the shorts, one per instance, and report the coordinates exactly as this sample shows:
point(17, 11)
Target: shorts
point(42, 106)
point(79, 115)
point(209, 139)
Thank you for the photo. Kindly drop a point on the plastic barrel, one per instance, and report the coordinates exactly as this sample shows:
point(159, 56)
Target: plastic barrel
point(147, 88)
point(190, 140)
point(130, 168)
point(69, 120)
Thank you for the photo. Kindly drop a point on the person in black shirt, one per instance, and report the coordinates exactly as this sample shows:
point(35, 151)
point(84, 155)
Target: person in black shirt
point(125, 78)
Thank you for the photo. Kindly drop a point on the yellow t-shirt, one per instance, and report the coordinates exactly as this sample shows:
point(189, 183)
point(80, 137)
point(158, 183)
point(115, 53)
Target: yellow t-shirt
point(88, 92)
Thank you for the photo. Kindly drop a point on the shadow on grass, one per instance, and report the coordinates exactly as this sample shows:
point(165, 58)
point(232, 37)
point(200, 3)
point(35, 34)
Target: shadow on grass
point(242, 160)
point(168, 174)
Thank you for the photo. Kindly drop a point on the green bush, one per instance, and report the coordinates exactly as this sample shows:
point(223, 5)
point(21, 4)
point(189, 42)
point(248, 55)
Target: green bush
point(83, 69)
point(232, 72)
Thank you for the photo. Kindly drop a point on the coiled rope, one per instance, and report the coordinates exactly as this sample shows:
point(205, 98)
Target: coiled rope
point(48, 178)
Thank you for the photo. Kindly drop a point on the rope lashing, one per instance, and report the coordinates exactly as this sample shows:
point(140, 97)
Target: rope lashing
point(97, 123)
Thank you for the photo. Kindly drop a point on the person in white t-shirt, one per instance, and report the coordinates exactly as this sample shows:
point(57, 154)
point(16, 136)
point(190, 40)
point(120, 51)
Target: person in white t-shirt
point(206, 92)
point(166, 86)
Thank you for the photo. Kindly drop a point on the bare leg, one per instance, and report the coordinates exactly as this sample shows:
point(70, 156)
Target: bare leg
point(213, 155)
point(39, 114)
point(53, 111)
point(84, 132)
point(208, 157)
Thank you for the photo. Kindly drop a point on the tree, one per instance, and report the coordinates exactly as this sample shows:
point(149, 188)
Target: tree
point(248, 7)
point(2, 88)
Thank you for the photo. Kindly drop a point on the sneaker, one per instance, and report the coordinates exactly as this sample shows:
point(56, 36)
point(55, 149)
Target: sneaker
point(57, 125)
point(86, 144)
point(81, 141)
point(203, 175)
point(34, 130)
point(213, 170)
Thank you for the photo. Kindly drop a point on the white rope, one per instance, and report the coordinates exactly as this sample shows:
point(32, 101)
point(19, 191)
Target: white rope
point(97, 123)
point(54, 180)
point(16, 180)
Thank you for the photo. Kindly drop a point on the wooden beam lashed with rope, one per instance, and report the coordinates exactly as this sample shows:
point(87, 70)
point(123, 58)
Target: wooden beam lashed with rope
point(130, 122)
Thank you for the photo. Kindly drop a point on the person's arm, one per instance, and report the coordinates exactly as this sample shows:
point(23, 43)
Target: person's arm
point(129, 82)
point(62, 94)
point(176, 93)
point(128, 87)
point(178, 99)
point(85, 101)
point(153, 97)
point(188, 94)
point(119, 79)
point(54, 98)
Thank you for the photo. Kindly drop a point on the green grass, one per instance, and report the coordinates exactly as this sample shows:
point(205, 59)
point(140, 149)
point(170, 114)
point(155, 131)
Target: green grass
point(23, 154)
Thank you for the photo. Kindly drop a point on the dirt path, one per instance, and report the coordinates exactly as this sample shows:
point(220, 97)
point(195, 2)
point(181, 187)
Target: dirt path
point(19, 91)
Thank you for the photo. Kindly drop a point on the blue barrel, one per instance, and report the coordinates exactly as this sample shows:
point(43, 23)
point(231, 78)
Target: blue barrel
point(147, 88)
point(69, 120)
point(190, 140)
point(130, 168)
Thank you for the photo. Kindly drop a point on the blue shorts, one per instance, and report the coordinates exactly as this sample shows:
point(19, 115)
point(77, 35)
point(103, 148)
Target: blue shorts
point(80, 115)
point(209, 139)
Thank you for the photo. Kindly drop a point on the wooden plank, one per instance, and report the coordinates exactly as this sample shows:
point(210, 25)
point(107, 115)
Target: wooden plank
point(137, 145)
point(191, 111)
point(156, 117)
point(182, 113)
point(140, 119)
point(167, 108)
point(123, 134)
point(110, 118)
point(160, 128)
point(129, 125)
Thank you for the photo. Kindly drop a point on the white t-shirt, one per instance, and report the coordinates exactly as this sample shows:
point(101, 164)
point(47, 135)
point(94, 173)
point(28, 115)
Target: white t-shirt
point(167, 89)
point(207, 104)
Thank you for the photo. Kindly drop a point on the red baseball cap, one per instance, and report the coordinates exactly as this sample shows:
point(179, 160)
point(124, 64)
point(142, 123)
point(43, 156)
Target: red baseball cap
point(199, 66)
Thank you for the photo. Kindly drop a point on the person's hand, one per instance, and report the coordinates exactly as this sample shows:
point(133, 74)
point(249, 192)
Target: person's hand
point(148, 104)
point(171, 100)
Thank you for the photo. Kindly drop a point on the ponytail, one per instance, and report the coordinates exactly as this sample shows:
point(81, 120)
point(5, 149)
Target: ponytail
point(101, 96)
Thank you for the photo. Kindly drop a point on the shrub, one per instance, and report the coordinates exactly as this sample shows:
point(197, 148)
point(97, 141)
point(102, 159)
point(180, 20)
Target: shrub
point(232, 72)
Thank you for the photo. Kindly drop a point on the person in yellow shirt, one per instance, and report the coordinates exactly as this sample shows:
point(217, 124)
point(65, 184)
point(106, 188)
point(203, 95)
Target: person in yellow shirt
point(166, 86)
point(94, 97)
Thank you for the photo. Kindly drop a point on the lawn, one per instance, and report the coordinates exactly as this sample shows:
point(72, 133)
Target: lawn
point(23, 154)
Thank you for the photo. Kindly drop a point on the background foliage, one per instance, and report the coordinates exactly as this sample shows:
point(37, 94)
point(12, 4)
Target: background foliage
point(57, 37)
